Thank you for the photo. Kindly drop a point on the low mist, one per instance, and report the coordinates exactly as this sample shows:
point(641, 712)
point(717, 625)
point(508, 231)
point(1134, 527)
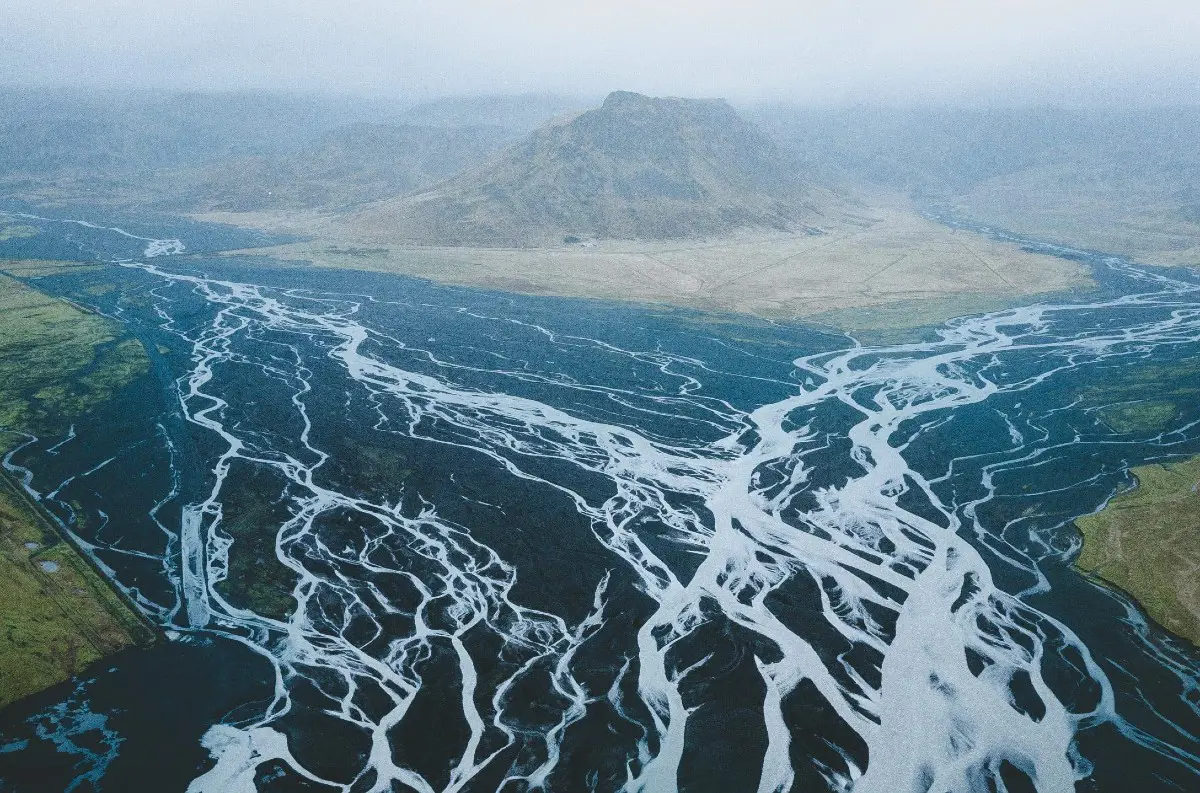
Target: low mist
point(1071, 52)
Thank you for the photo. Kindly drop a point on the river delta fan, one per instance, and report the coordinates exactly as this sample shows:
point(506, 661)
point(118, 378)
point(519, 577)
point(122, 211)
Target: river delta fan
point(770, 397)
point(739, 538)
point(637, 167)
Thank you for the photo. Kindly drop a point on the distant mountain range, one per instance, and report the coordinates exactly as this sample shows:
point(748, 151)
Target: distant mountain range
point(1121, 181)
point(345, 168)
point(635, 168)
point(49, 133)
point(532, 170)
point(519, 113)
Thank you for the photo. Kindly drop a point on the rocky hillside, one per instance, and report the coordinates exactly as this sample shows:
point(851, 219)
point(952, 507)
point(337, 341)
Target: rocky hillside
point(635, 168)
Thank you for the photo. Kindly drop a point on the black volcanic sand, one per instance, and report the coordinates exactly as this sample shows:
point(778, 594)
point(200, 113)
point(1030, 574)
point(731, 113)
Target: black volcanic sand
point(159, 702)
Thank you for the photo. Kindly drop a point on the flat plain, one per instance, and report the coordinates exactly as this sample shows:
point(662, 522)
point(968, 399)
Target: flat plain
point(895, 269)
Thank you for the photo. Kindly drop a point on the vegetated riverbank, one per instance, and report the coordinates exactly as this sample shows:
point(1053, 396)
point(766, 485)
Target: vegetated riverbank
point(60, 615)
point(1147, 541)
point(57, 362)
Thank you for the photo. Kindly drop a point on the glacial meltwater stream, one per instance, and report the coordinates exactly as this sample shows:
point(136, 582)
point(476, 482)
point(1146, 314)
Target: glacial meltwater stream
point(466, 541)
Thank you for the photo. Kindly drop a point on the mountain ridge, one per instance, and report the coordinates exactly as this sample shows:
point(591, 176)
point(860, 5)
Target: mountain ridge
point(637, 167)
point(349, 166)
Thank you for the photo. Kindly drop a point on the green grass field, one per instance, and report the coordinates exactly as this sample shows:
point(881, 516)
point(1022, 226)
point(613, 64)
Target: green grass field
point(59, 616)
point(16, 232)
point(57, 362)
point(55, 359)
point(1147, 542)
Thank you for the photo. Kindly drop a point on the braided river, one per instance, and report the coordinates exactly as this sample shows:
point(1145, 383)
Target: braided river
point(407, 537)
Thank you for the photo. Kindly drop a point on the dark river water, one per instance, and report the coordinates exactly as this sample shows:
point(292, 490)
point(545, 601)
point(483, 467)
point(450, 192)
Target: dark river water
point(401, 536)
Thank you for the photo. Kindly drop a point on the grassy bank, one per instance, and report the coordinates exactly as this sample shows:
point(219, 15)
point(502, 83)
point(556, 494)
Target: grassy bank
point(1147, 542)
point(57, 363)
point(59, 615)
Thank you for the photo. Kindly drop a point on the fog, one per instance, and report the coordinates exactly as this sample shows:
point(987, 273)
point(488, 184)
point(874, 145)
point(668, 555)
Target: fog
point(939, 51)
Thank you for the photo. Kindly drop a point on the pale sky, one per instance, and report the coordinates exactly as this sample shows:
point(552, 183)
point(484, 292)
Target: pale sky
point(1050, 51)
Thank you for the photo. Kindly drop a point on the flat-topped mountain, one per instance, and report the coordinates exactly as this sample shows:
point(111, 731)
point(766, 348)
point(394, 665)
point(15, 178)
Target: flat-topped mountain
point(635, 168)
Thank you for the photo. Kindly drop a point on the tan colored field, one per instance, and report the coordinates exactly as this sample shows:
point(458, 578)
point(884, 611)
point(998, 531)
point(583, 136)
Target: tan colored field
point(1142, 218)
point(915, 270)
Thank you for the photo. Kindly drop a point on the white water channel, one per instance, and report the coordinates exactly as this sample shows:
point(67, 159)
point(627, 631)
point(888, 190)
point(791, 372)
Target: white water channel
point(930, 723)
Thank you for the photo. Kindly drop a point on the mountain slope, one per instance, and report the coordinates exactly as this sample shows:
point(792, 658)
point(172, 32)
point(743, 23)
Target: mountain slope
point(1123, 181)
point(635, 168)
point(47, 132)
point(520, 114)
point(350, 166)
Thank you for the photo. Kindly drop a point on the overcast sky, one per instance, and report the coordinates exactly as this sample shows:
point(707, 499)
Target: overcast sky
point(957, 51)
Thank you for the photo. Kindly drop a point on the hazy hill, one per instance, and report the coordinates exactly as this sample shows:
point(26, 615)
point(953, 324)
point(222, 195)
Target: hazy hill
point(635, 168)
point(246, 152)
point(519, 113)
point(1122, 181)
point(951, 150)
point(347, 167)
point(929, 150)
point(45, 133)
